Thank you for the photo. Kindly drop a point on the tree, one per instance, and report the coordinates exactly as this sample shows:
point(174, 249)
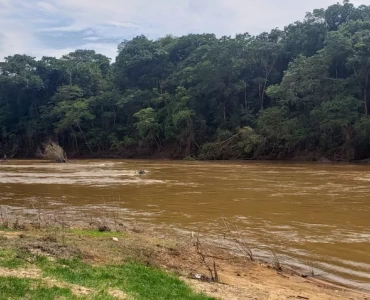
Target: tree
point(337, 14)
point(148, 126)
point(351, 43)
point(69, 110)
point(180, 120)
point(266, 50)
point(341, 113)
point(307, 37)
point(282, 93)
point(142, 63)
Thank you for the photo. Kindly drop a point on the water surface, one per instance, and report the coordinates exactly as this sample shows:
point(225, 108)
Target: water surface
point(311, 214)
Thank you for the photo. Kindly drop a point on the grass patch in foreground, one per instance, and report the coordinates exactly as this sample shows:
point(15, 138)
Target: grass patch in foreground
point(138, 281)
point(148, 283)
point(95, 233)
point(5, 228)
point(21, 288)
point(10, 259)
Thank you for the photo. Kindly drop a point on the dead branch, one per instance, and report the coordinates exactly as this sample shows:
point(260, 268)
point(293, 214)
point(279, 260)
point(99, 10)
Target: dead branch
point(238, 239)
point(212, 269)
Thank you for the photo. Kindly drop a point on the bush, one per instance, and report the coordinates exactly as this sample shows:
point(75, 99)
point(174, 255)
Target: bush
point(54, 152)
point(244, 144)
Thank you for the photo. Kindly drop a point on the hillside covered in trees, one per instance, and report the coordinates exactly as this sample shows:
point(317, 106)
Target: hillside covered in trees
point(299, 92)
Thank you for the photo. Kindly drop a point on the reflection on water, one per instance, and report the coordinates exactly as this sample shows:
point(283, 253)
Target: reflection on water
point(317, 215)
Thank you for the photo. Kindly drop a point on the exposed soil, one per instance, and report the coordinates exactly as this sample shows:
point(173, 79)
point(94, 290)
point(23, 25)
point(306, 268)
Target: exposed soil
point(178, 254)
point(32, 273)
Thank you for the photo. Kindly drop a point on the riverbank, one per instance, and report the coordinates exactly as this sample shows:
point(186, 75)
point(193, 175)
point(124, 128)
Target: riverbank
point(168, 154)
point(96, 261)
point(304, 212)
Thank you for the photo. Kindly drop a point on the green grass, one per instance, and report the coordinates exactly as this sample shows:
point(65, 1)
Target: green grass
point(148, 283)
point(138, 281)
point(5, 228)
point(22, 288)
point(10, 259)
point(141, 282)
point(96, 233)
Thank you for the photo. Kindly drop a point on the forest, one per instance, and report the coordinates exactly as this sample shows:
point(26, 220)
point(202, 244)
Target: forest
point(298, 93)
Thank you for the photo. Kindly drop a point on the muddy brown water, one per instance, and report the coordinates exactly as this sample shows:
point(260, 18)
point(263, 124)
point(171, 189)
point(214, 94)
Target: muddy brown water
point(315, 215)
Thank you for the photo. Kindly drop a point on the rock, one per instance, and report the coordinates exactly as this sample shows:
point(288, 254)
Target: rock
point(324, 160)
point(114, 239)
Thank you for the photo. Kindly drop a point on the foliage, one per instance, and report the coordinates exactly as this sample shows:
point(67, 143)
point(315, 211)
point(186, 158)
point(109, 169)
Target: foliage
point(273, 95)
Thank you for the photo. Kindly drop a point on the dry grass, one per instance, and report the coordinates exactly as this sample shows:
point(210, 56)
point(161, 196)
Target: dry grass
point(54, 152)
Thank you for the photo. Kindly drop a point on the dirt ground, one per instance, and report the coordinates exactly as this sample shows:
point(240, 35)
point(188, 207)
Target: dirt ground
point(262, 283)
point(181, 255)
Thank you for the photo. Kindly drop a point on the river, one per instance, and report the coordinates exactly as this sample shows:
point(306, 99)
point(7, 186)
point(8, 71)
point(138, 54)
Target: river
point(316, 215)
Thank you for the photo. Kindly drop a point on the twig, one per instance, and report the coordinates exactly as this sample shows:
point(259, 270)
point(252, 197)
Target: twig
point(203, 258)
point(239, 240)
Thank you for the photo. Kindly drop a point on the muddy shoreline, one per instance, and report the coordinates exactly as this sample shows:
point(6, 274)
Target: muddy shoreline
point(175, 251)
point(300, 211)
point(308, 158)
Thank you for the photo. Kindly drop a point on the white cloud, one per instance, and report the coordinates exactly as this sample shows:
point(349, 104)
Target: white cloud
point(15, 36)
point(26, 26)
point(123, 24)
point(46, 7)
point(4, 3)
point(92, 38)
point(109, 50)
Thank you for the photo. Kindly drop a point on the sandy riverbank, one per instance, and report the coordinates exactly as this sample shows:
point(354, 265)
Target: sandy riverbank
point(180, 254)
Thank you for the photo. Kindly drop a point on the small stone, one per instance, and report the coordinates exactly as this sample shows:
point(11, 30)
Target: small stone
point(115, 239)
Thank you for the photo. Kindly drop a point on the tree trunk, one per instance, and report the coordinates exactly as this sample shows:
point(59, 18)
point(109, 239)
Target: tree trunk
point(365, 103)
point(263, 95)
point(259, 94)
point(365, 94)
point(115, 116)
point(160, 86)
point(75, 138)
point(347, 133)
point(84, 137)
point(245, 98)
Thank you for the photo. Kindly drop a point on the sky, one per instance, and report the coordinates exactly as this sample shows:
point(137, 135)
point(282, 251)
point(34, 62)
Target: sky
point(57, 27)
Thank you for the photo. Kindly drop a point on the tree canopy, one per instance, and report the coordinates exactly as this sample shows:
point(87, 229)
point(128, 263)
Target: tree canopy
point(298, 92)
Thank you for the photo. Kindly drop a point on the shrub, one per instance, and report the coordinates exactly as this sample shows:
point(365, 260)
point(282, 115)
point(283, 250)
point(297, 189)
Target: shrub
point(54, 152)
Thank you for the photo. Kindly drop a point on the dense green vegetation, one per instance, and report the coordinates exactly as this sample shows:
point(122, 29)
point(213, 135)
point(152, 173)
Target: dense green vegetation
point(297, 92)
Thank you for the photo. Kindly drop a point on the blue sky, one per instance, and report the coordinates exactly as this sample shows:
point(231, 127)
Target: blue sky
point(57, 27)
